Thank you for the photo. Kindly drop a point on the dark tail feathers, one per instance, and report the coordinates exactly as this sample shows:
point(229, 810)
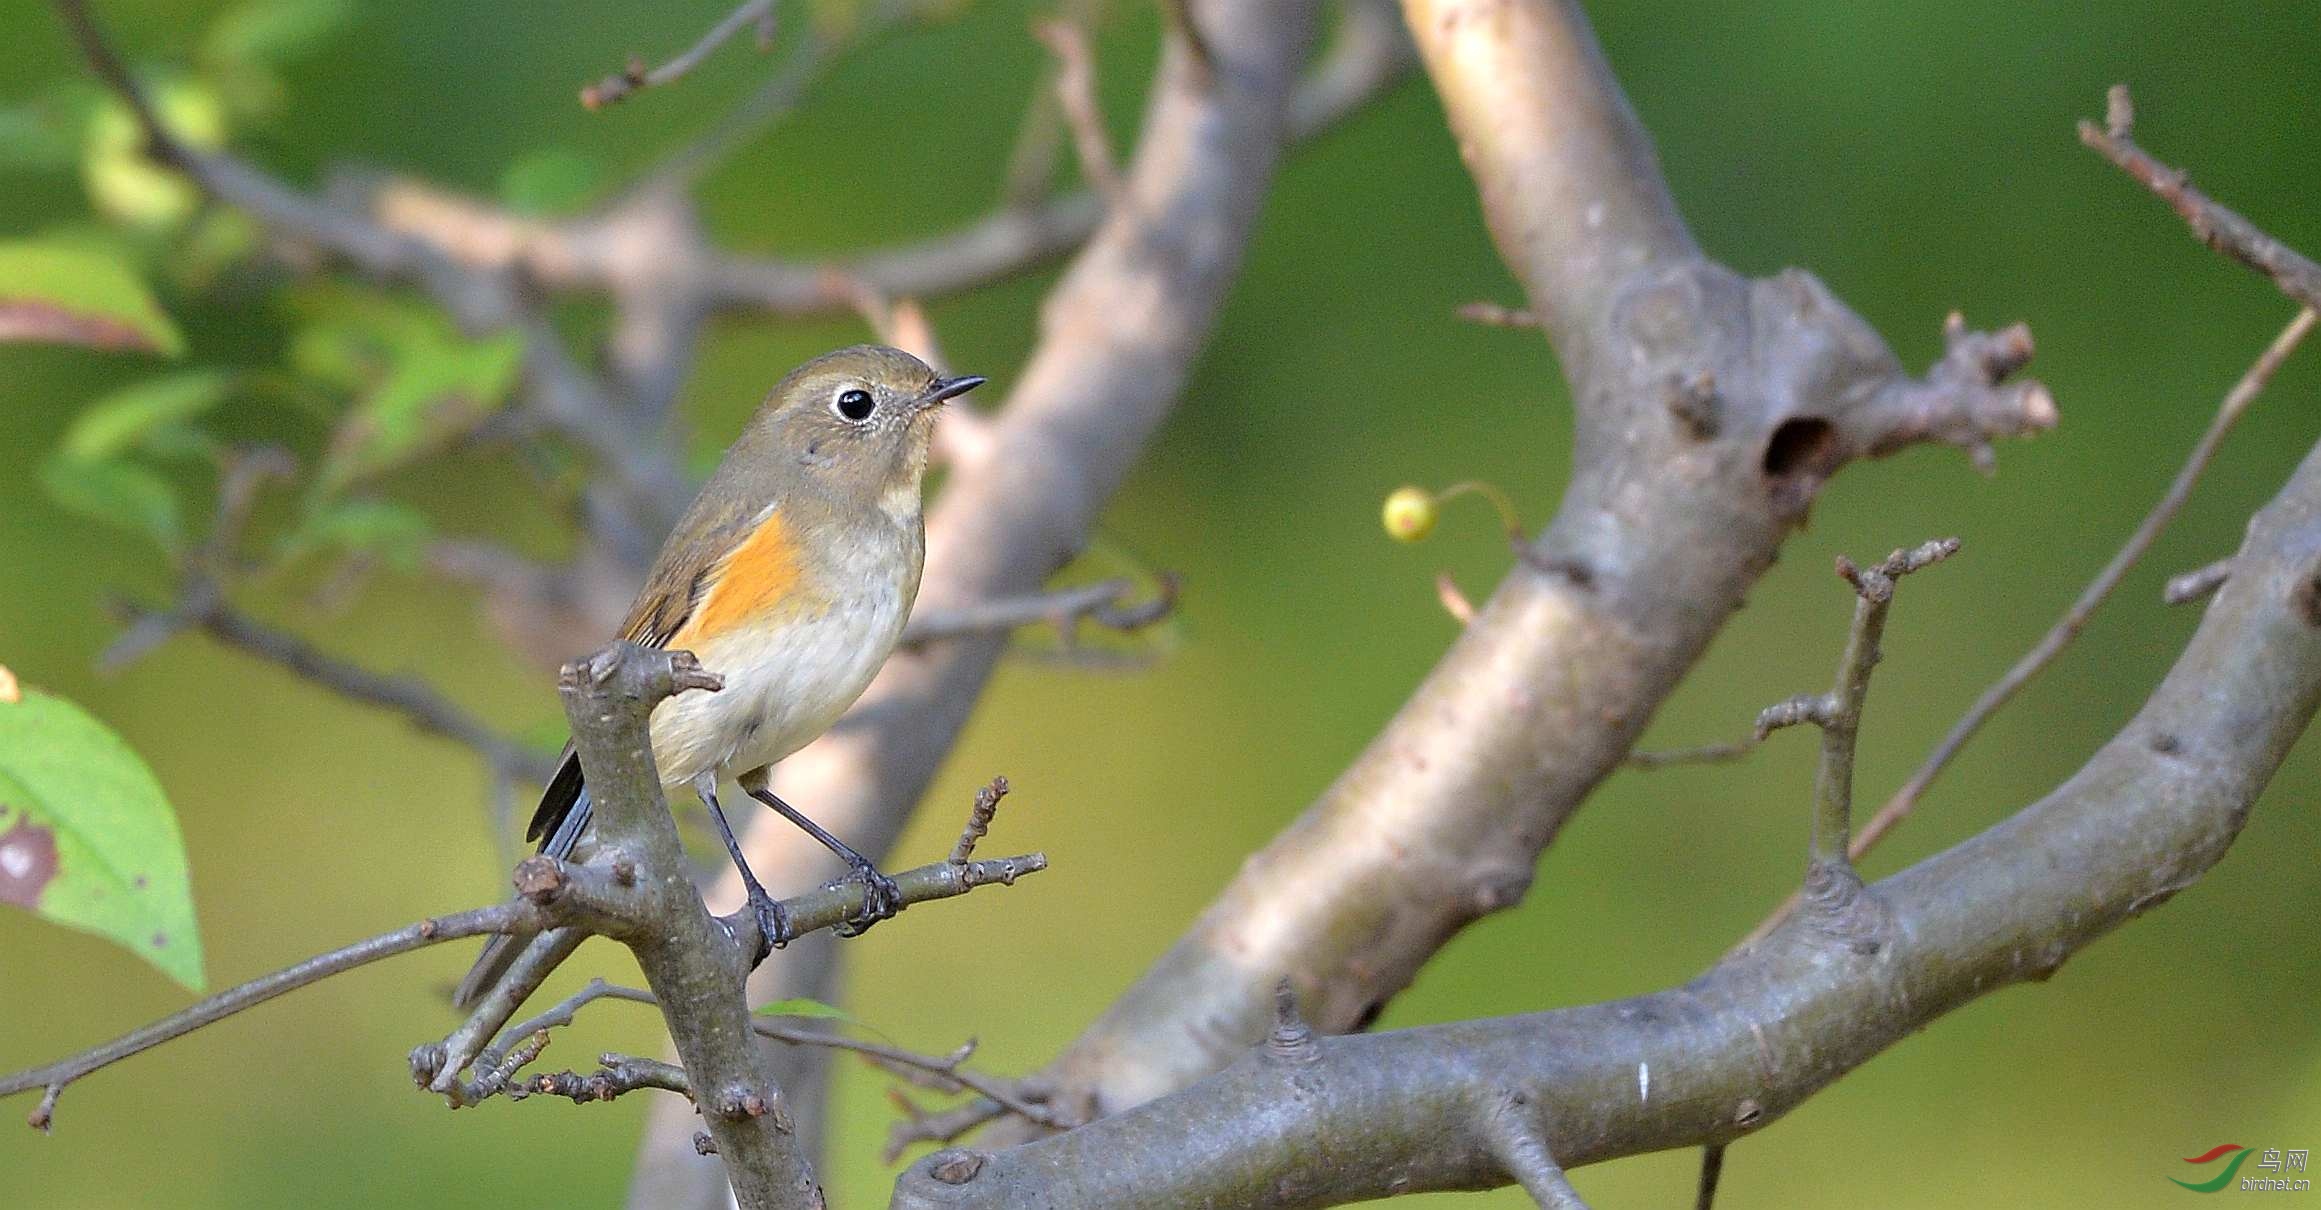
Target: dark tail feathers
point(563, 815)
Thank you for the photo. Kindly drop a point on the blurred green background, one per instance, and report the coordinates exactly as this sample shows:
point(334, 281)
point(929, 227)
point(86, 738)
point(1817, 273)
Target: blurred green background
point(1918, 158)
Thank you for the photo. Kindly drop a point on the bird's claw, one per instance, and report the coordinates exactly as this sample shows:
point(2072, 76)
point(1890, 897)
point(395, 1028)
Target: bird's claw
point(773, 924)
point(881, 899)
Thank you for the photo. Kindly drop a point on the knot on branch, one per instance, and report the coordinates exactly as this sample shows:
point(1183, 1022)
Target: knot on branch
point(1834, 904)
point(955, 1166)
point(1291, 1040)
point(540, 879)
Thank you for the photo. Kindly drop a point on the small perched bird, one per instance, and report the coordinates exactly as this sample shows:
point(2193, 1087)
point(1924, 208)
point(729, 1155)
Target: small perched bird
point(790, 576)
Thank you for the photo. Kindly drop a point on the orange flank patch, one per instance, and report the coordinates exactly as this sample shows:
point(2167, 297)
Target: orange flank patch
point(753, 581)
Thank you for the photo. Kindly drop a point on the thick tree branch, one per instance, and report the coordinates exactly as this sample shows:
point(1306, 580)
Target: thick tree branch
point(695, 964)
point(1751, 1039)
point(1710, 410)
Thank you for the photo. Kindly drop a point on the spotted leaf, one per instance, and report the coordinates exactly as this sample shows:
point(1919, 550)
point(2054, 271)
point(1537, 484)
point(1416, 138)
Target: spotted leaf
point(87, 838)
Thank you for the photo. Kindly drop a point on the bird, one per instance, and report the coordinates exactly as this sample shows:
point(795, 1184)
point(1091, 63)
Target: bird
point(790, 576)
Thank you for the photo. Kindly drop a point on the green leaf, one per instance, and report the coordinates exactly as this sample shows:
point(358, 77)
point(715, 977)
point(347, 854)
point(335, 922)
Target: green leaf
point(124, 419)
point(436, 389)
point(549, 182)
point(394, 532)
point(87, 838)
point(60, 294)
point(116, 493)
point(274, 31)
point(123, 181)
point(801, 1006)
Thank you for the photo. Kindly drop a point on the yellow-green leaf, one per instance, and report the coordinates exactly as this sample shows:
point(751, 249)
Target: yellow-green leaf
point(434, 391)
point(87, 837)
point(60, 294)
point(116, 493)
point(123, 419)
point(394, 532)
point(123, 181)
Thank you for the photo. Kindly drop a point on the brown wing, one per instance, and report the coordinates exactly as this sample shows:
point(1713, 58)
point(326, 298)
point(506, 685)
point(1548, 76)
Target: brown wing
point(686, 570)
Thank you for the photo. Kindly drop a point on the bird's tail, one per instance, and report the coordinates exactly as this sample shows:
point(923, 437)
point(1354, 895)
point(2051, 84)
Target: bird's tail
point(563, 814)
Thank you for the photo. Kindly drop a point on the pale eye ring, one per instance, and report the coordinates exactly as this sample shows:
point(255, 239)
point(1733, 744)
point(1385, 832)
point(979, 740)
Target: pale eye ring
point(854, 404)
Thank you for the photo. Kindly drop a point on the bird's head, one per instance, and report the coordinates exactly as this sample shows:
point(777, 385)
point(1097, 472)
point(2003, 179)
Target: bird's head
point(857, 422)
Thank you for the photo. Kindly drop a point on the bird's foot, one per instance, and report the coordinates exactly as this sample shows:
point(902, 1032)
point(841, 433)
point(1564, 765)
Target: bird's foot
point(881, 899)
point(773, 924)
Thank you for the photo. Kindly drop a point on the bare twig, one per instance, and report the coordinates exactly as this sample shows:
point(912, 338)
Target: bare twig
point(1076, 92)
point(948, 1073)
point(2217, 226)
point(979, 819)
point(615, 1076)
point(1493, 315)
point(618, 86)
point(1705, 754)
point(1905, 800)
point(499, 918)
point(1104, 604)
point(204, 607)
point(1839, 712)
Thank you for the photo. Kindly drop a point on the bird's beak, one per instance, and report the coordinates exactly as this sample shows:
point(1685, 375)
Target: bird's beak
point(949, 388)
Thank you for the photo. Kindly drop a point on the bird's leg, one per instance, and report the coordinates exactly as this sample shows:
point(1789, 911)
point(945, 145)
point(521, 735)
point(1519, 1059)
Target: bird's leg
point(773, 926)
point(881, 898)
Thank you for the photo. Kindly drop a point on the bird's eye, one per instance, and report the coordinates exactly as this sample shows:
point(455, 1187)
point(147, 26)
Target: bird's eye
point(854, 403)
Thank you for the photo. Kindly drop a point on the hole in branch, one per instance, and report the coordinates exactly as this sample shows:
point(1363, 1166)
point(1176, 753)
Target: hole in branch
point(1799, 445)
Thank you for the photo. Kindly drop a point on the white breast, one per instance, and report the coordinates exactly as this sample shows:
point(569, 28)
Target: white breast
point(786, 684)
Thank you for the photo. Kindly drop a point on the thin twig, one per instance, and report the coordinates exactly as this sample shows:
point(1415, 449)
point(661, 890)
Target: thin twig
point(2217, 226)
point(1103, 604)
point(1494, 315)
point(415, 700)
point(1076, 91)
point(1705, 754)
point(616, 1075)
point(1840, 716)
point(2228, 413)
point(948, 1073)
point(635, 76)
point(498, 918)
point(979, 819)
point(920, 1126)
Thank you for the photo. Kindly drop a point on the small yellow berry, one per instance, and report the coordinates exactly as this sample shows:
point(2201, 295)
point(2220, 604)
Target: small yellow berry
point(1410, 514)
